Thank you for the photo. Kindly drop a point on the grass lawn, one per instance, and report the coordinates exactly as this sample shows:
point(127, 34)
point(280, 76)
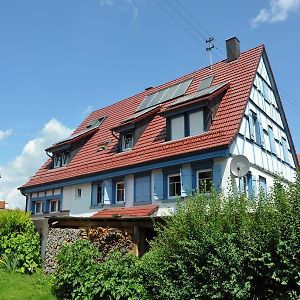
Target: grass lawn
point(24, 287)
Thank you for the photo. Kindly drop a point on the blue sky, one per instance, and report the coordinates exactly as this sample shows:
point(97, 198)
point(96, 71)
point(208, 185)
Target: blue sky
point(61, 59)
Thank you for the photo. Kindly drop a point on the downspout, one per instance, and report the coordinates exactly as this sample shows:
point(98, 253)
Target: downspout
point(26, 204)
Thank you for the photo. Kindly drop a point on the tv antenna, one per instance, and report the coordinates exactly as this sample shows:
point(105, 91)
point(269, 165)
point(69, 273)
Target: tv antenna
point(209, 48)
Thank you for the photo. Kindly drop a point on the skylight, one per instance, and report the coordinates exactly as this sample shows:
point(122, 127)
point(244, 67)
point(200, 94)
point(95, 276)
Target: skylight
point(165, 94)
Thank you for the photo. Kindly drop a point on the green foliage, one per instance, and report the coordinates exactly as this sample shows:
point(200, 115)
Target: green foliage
point(19, 242)
point(80, 276)
point(230, 247)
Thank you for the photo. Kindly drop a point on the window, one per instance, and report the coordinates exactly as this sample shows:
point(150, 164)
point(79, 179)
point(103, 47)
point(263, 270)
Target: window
point(263, 185)
point(54, 205)
point(57, 160)
point(78, 193)
point(174, 186)
point(39, 207)
point(255, 128)
point(177, 128)
point(204, 181)
point(187, 124)
point(127, 141)
point(120, 191)
point(61, 159)
point(99, 194)
point(196, 123)
point(65, 158)
point(272, 140)
point(285, 150)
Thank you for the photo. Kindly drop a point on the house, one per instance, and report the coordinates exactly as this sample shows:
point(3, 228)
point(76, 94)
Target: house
point(298, 157)
point(138, 156)
point(2, 204)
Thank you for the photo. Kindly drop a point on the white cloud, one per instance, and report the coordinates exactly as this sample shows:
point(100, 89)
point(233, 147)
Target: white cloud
point(18, 171)
point(278, 11)
point(126, 5)
point(5, 133)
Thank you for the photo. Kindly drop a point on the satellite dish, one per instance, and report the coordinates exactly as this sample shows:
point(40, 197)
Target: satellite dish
point(239, 166)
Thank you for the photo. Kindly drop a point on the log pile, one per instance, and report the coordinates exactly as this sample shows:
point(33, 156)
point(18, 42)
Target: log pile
point(108, 239)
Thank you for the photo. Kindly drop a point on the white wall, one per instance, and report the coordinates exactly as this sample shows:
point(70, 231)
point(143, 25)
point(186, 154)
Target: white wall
point(129, 190)
point(78, 206)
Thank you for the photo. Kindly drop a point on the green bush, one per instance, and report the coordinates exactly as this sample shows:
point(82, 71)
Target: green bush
point(19, 242)
point(231, 247)
point(80, 275)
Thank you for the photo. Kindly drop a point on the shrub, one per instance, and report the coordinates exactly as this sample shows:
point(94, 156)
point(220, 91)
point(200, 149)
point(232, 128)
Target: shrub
point(80, 276)
point(19, 242)
point(231, 247)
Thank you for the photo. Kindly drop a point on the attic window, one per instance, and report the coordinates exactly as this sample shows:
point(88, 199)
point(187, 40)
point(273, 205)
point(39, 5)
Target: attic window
point(61, 159)
point(127, 141)
point(205, 83)
point(95, 123)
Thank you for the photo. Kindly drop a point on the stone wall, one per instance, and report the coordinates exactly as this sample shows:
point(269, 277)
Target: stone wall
point(56, 238)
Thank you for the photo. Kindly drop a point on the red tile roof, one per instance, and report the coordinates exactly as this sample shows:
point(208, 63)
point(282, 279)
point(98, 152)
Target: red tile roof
point(298, 157)
point(151, 145)
point(138, 211)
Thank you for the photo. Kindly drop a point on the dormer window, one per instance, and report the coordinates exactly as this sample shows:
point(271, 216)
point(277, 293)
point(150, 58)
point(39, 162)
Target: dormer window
point(185, 124)
point(61, 159)
point(127, 141)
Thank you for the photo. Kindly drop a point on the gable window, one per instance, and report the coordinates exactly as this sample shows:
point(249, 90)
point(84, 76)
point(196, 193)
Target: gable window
point(39, 207)
point(272, 139)
point(99, 194)
point(54, 205)
point(187, 124)
point(127, 141)
point(174, 186)
point(78, 193)
point(285, 150)
point(256, 132)
point(120, 191)
point(57, 160)
point(204, 181)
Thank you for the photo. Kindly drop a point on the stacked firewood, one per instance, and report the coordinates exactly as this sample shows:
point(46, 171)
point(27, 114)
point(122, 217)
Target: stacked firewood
point(108, 239)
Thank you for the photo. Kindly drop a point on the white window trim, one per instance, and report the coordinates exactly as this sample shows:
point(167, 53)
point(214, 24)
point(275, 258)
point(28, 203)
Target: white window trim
point(56, 206)
point(173, 175)
point(202, 171)
point(39, 213)
point(120, 182)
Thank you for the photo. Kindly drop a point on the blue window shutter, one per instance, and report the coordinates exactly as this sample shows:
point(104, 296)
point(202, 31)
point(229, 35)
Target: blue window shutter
point(147, 188)
point(186, 181)
point(94, 194)
point(285, 150)
point(217, 176)
point(138, 189)
point(108, 197)
point(272, 140)
point(158, 185)
point(251, 127)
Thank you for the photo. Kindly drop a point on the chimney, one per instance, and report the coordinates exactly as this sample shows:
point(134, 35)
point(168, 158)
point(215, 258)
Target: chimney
point(233, 49)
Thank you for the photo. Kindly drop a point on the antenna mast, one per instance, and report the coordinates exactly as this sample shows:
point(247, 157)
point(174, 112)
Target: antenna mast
point(209, 48)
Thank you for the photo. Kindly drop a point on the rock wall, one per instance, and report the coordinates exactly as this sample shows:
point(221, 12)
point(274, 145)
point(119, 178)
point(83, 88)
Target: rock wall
point(56, 238)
